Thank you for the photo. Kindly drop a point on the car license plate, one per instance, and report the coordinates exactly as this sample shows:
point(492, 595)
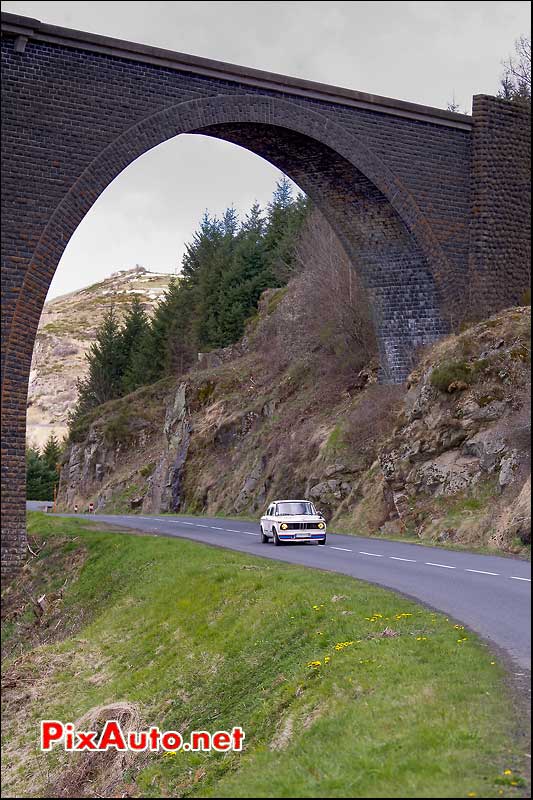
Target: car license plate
point(302, 535)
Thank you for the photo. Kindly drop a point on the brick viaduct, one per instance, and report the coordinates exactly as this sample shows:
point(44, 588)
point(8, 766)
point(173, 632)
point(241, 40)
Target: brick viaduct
point(432, 207)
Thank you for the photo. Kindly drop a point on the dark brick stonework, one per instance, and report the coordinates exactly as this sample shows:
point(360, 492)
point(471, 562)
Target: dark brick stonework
point(500, 226)
point(429, 205)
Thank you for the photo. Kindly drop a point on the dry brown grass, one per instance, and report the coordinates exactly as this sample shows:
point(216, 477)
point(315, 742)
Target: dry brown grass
point(98, 774)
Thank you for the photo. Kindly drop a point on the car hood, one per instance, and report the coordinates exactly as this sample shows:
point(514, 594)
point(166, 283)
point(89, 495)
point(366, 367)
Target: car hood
point(300, 518)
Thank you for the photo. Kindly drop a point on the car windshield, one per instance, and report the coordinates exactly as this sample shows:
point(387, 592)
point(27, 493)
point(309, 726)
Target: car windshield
point(294, 509)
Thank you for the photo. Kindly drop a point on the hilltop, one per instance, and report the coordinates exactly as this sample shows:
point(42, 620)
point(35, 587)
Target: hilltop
point(66, 330)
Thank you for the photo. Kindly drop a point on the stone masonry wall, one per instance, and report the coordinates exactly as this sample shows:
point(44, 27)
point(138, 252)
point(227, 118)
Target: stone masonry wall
point(500, 233)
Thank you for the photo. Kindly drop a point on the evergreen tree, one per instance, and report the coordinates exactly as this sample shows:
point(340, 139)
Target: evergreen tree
point(40, 477)
point(52, 453)
point(202, 268)
point(150, 358)
point(285, 219)
point(132, 337)
point(105, 360)
point(211, 278)
point(247, 276)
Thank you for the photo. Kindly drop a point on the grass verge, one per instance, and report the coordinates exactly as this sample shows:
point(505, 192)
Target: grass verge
point(187, 636)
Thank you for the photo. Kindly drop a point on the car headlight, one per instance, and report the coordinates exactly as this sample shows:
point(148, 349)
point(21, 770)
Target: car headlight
point(321, 525)
point(283, 526)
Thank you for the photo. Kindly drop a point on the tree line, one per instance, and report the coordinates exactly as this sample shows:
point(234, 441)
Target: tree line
point(225, 268)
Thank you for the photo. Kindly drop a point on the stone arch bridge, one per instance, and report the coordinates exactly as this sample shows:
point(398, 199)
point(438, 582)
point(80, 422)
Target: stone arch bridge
point(431, 206)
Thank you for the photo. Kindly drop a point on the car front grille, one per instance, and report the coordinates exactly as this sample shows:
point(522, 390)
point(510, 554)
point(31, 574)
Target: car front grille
point(302, 526)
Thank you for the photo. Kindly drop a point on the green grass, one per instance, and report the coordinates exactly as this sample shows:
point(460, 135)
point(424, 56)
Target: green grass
point(199, 637)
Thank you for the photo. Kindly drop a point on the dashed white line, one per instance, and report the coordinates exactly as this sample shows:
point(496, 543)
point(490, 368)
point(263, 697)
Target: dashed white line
point(481, 572)
point(345, 549)
point(397, 558)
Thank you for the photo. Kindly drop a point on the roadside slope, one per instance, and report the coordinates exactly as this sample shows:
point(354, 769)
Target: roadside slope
point(343, 689)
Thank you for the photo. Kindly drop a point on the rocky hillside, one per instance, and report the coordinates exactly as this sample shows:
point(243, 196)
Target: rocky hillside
point(66, 330)
point(446, 457)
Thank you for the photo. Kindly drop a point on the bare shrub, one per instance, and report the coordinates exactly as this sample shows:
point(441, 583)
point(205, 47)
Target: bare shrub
point(338, 308)
point(324, 316)
point(373, 417)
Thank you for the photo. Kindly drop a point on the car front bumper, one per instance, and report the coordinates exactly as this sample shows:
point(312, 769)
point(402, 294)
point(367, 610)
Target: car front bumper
point(301, 536)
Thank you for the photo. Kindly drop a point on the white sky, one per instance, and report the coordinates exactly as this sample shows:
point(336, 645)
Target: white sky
point(421, 51)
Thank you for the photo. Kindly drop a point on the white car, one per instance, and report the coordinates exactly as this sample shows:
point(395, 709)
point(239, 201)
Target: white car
point(292, 521)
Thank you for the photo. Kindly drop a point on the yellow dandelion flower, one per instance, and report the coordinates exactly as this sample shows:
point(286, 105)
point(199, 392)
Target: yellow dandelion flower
point(327, 659)
point(508, 772)
point(472, 794)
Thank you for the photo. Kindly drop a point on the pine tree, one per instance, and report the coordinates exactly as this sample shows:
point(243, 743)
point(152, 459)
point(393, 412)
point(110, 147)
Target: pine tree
point(245, 279)
point(105, 360)
point(285, 218)
point(152, 356)
point(132, 336)
point(52, 453)
point(40, 475)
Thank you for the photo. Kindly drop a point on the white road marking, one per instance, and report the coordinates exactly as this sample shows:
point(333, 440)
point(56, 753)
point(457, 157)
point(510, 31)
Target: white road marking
point(397, 558)
point(344, 549)
point(482, 572)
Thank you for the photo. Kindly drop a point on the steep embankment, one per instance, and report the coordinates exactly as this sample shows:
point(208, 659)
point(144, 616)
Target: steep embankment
point(66, 331)
point(342, 689)
point(444, 458)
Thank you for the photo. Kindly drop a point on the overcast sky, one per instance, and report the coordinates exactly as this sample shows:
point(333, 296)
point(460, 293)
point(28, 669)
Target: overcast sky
point(425, 52)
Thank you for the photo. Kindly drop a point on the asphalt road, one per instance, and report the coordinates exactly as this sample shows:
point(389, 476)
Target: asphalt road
point(489, 594)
